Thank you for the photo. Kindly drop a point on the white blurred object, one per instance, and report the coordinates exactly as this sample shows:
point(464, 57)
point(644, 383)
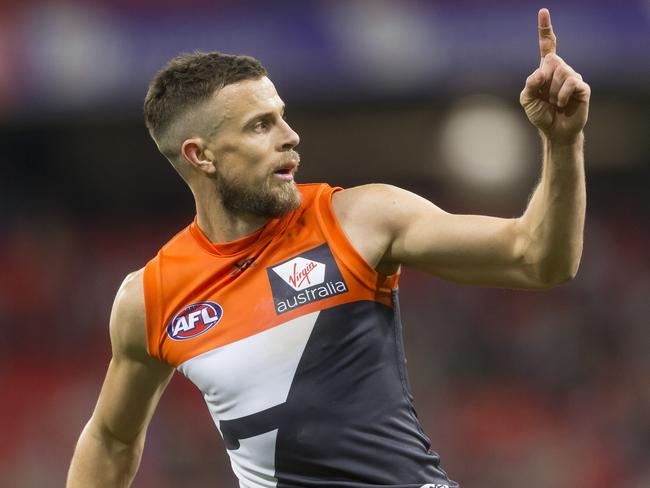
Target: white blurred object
point(486, 144)
point(76, 53)
point(385, 44)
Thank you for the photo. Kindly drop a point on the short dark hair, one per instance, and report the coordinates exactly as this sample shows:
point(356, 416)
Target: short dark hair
point(189, 79)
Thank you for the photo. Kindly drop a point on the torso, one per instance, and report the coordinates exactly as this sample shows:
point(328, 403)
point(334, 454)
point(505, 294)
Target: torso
point(295, 341)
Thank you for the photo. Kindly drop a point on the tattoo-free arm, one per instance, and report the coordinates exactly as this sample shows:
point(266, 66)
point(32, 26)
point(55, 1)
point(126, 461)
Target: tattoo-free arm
point(110, 447)
point(554, 219)
point(540, 249)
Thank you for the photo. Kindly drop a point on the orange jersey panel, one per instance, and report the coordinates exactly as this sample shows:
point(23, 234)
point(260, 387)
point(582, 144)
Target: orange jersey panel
point(200, 296)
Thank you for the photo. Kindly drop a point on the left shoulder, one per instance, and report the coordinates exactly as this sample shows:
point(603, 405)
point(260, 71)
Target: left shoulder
point(363, 198)
point(358, 205)
point(378, 204)
point(368, 216)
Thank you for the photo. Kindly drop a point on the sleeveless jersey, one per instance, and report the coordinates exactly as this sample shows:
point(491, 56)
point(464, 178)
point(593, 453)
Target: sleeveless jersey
point(295, 342)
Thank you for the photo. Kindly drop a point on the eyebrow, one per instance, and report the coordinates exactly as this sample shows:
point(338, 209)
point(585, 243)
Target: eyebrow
point(262, 115)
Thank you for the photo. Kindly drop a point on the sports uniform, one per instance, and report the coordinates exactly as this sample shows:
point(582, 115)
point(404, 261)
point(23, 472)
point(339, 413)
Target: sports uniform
point(295, 343)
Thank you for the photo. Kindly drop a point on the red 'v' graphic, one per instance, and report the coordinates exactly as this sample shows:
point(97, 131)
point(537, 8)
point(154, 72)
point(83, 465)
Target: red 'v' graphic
point(299, 277)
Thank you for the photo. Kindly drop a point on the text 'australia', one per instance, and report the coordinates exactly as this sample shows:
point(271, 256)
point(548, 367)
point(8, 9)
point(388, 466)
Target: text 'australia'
point(325, 290)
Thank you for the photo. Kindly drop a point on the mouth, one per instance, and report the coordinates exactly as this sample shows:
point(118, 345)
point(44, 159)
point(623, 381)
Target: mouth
point(286, 170)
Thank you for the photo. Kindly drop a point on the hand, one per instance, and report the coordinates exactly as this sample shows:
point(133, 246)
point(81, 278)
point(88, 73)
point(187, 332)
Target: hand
point(555, 98)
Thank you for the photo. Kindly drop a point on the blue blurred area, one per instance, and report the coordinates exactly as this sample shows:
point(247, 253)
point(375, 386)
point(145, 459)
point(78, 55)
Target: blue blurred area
point(515, 389)
point(92, 54)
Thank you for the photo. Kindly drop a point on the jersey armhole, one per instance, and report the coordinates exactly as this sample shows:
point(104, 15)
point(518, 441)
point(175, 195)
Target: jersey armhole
point(153, 315)
point(343, 248)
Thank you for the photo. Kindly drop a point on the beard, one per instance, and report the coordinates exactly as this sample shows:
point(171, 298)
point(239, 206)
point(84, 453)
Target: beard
point(266, 198)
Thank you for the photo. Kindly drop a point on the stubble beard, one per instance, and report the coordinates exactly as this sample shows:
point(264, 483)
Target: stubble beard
point(268, 199)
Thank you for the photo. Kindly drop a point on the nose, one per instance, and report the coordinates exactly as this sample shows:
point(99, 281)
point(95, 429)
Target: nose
point(290, 138)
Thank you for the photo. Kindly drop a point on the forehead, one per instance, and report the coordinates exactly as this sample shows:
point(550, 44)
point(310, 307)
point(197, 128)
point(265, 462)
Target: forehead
point(241, 100)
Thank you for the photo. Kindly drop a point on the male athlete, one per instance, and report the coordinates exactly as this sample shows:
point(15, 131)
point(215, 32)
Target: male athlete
point(280, 300)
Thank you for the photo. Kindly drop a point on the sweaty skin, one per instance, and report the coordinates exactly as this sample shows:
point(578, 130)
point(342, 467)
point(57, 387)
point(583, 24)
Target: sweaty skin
point(388, 226)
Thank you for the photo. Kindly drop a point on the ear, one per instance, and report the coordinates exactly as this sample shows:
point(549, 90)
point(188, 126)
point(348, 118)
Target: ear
point(198, 156)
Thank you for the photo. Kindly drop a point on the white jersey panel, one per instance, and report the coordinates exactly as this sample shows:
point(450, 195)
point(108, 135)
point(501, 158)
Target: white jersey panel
point(253, 374)
point(254, 462)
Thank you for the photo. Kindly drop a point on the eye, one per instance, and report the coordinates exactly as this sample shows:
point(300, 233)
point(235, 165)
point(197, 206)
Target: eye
point(261, 126)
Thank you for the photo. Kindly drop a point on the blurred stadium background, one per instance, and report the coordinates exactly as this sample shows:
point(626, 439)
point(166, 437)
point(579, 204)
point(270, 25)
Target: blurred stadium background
point(515, 389)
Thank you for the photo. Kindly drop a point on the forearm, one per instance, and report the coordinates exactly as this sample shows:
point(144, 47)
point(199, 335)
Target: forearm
point(101, 461)
point(553, 222)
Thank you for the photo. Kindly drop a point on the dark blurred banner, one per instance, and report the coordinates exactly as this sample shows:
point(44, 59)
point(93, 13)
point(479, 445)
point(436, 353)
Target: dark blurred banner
point(64, 55)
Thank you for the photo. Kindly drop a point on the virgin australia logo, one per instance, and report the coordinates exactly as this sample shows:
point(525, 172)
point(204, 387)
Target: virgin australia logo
point(301, 273)
point(309, 277)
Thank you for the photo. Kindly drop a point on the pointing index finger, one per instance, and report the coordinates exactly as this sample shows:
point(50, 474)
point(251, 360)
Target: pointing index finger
point(547, 39)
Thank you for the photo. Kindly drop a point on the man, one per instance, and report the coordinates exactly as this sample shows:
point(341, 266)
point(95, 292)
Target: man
point(279, 301)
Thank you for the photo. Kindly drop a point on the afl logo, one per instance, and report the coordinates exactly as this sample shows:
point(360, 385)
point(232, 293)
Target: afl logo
point(194, 320)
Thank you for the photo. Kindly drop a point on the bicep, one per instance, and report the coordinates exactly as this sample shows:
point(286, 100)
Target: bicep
point(134, 381)
point(129, 396)
point(469, 249)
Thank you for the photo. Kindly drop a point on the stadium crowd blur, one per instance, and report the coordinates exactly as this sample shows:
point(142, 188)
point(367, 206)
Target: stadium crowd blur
point(515, 389)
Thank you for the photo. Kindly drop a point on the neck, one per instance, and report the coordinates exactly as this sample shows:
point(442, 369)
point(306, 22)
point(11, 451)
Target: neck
point(220, 224)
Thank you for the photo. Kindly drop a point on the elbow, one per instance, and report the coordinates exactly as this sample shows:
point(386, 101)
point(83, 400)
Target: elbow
point(549, 266)
point(543, 265)
point(557, 279)
point(554, 272)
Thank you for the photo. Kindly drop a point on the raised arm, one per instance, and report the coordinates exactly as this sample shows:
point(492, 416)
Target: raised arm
point(110, 446)
point(556, 101)
point(540, 249)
